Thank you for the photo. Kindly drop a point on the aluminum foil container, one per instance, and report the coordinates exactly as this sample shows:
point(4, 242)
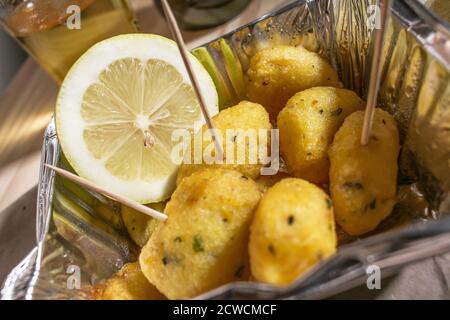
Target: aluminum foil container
point(80, 235)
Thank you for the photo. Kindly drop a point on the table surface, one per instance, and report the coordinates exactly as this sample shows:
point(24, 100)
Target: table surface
point(26, 109)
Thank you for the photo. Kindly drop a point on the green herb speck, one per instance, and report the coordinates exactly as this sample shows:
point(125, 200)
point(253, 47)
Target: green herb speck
point(271, 249)
point(239, 272)
point(291, 220)
point(336, 112)
point(329, 203)
point(353, 185)
point(197, 244)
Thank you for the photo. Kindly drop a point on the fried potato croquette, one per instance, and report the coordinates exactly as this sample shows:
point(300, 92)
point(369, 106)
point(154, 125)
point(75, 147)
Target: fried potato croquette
point(243, 123)
point(203, 244)
point(140, 226)
point(277, 73)
point(363, 179)
point(128, 284)
point(307, 126)
point(293, 229)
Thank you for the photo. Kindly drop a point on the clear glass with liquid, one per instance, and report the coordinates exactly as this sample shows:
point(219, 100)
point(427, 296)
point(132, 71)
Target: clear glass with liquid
point(57, 32)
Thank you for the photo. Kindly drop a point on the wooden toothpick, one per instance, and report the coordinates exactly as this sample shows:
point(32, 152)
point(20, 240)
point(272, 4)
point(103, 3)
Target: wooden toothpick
point(375, 73)
point(89, 185)
point(176, 33)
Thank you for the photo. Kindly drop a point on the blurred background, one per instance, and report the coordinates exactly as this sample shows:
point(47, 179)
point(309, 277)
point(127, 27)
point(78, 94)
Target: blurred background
point(11, 57)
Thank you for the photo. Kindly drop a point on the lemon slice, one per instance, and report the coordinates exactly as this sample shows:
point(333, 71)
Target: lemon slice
point(118, 107)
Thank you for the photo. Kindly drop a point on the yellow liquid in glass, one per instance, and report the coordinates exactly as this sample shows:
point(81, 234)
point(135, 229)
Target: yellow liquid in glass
point(42, 30)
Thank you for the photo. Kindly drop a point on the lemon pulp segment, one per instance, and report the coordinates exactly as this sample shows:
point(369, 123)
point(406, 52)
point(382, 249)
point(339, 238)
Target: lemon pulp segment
point(130, 114)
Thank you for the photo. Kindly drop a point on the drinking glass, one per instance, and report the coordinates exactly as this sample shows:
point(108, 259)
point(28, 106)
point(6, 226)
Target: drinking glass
point(57, 32)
